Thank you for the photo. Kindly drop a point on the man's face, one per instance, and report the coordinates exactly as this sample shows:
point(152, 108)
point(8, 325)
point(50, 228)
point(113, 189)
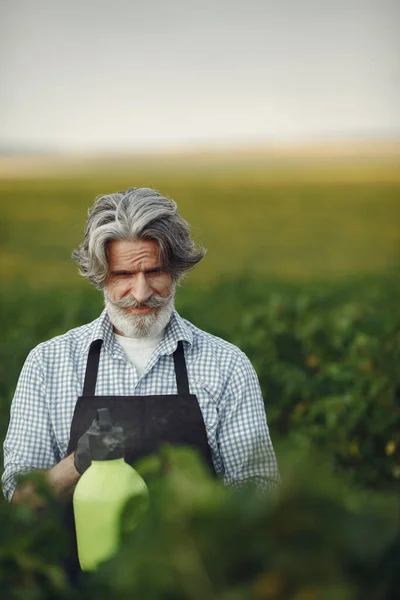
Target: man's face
point(139, 294)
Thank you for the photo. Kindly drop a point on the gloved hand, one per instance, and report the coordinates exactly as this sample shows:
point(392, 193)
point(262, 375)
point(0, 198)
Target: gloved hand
point(82, 458)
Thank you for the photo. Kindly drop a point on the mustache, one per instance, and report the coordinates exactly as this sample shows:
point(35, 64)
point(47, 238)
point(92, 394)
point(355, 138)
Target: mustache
point(152, 302)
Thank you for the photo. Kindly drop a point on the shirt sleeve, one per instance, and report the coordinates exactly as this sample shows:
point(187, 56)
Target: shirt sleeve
point(244, 441)
point(30, 442)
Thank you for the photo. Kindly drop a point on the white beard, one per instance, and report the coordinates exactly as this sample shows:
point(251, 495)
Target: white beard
point(140, 326)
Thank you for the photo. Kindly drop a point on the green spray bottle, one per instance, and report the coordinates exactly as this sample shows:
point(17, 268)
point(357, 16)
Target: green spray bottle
point(102, 492)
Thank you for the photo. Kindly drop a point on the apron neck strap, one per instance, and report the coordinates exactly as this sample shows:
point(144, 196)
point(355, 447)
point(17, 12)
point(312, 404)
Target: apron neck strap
point(92, 367)
point(182, 382)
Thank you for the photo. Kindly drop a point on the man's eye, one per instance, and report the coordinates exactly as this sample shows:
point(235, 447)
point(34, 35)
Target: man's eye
point(121, 275)
point(155, 271)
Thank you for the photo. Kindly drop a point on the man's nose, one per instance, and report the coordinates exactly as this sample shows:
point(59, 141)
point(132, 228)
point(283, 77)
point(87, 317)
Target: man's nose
point(140, 289)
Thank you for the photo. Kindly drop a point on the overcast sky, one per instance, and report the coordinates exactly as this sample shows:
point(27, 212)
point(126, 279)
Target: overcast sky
point(123, 74)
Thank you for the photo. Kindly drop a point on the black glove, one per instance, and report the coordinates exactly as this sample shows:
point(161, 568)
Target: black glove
point(82, 458)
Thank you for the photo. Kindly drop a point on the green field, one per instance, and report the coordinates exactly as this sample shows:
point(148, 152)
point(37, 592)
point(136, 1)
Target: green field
point(298, 221)
point(301, 266)
point(301, 274)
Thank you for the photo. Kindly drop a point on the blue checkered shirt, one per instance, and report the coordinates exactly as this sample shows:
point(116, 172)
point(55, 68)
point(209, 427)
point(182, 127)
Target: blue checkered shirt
point(220, 375)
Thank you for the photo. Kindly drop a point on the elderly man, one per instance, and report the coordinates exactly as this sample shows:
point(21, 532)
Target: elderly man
point(163, 379)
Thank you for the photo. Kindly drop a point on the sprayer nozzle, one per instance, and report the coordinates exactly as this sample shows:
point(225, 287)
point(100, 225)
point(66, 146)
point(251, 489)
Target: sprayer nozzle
point(104, 419)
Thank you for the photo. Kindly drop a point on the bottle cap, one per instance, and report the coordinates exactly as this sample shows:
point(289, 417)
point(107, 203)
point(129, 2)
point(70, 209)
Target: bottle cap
point(106, 442)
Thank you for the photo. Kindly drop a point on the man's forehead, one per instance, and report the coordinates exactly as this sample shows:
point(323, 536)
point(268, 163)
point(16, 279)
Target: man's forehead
point(133, 252)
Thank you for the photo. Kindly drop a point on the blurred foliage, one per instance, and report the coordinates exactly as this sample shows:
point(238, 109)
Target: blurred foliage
point(316, 539)
point(327, 357)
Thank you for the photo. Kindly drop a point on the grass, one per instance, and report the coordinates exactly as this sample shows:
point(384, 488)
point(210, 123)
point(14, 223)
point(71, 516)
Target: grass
point(294, 222)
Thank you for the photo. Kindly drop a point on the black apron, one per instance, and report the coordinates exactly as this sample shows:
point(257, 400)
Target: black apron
point(147, 421)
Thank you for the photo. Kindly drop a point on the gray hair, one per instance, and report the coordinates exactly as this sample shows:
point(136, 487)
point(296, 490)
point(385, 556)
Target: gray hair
point(136, 214)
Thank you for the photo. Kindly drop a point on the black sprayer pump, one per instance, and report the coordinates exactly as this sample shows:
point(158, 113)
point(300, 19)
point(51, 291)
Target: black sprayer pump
point(106, 441)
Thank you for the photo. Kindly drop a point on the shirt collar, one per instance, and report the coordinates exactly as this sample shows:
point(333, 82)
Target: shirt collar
point(177, 329)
